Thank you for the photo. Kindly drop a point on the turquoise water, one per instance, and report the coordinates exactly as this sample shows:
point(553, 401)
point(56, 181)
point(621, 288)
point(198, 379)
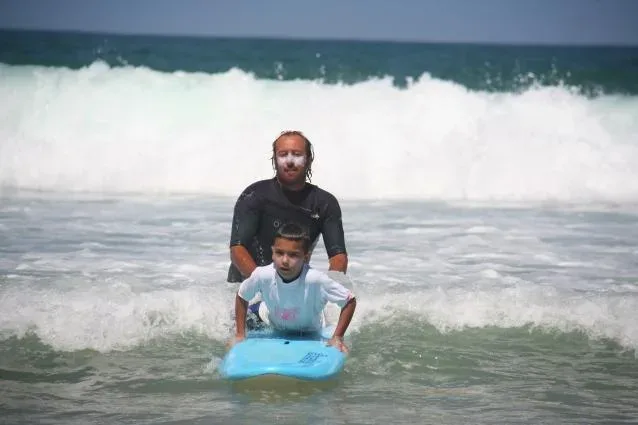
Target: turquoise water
point(489, 207)
point(477, 67)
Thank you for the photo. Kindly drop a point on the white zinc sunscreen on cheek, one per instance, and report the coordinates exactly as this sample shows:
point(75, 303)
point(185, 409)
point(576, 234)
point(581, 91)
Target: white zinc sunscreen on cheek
point(298, 160)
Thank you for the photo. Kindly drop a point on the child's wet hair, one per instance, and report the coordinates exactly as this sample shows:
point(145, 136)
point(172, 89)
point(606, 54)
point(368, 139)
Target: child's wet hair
point(294, 232)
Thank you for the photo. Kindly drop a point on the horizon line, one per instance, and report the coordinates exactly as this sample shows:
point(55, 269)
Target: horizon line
point(315, 39)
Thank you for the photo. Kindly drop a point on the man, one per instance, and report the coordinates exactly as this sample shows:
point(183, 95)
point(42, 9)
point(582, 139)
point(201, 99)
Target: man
point(267, 204)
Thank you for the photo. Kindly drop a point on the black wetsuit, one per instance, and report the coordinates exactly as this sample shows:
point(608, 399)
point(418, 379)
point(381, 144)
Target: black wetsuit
point(264, 206)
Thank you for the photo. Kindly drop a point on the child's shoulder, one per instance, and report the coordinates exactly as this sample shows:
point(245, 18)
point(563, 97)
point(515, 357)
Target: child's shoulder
point(264, 272)
point(329, 279)
point(317, 276)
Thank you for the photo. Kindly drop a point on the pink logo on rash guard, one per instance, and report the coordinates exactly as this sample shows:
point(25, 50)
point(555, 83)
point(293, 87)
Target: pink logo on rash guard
point(287, 313)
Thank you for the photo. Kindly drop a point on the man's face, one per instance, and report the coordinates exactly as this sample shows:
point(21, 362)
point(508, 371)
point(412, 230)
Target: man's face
point(290, 157)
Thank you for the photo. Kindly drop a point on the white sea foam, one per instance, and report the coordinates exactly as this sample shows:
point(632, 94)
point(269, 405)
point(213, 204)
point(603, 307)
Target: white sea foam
point(113, 316)
point(102, 129)
point(114, 275)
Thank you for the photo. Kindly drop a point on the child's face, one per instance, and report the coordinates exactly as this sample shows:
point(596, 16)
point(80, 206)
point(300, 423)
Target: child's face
point(288, 257)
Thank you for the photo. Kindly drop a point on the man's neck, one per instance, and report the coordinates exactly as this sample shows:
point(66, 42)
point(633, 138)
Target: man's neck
point(295, 187)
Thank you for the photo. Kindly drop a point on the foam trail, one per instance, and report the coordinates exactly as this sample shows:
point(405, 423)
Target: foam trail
point(113, 317)
point(119, 130)
point(609, 316)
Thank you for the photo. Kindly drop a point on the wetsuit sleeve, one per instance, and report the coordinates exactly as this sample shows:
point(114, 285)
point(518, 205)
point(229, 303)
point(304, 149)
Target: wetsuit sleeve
point(245, 218)
point(332, 229)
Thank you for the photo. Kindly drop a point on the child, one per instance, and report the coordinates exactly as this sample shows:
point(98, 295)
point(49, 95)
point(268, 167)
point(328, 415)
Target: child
point(293, 292)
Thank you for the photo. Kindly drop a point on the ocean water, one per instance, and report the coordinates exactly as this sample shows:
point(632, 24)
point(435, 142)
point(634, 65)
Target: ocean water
point(489, 198)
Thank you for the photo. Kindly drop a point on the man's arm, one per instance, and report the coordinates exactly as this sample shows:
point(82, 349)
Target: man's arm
point(242, 259)
point(339, 262)
point(333, 237)
point(244, 228)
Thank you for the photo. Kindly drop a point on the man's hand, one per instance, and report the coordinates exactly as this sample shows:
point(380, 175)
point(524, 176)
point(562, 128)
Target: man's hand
point(338, 263)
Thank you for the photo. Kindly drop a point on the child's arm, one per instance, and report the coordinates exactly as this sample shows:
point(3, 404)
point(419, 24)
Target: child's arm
point(245, 293)
point(342, 325)
point(241, 308)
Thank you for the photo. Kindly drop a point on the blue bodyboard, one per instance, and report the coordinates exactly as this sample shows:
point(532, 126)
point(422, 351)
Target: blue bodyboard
point(258, 355)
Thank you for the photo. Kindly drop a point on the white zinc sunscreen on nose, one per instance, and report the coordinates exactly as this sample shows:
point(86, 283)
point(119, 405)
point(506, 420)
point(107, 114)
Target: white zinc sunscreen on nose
point(298, 160)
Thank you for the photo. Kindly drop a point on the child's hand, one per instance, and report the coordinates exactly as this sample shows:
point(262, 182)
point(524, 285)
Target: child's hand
point(234, 340)
point(337, 342)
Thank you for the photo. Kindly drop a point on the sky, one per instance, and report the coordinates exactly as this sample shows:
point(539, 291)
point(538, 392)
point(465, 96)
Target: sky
point(480, 21)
